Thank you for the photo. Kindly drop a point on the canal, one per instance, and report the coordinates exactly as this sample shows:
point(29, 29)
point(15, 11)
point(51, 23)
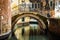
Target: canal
point(31, 31)
point(28, 36)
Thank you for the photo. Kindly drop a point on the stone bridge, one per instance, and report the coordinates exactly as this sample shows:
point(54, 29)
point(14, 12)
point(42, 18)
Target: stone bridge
point(42, 20)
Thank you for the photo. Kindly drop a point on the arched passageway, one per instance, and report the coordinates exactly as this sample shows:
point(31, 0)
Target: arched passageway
point(41, 20)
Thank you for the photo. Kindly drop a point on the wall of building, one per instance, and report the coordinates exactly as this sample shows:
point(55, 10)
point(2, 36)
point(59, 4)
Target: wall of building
point(5, 15)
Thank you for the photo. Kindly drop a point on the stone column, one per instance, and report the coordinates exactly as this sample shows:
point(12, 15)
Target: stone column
point(5, 15)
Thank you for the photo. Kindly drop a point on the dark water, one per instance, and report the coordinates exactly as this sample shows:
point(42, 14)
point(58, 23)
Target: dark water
point(40, 37)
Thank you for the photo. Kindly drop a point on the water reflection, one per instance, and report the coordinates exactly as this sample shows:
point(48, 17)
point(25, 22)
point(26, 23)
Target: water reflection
point(27, 30)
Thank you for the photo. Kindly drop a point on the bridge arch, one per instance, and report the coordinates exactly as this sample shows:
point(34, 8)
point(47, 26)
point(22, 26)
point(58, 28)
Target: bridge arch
point(18, 16)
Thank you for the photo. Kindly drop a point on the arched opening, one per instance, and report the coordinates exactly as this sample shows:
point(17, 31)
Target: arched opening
point(38, 18)
point(32, 29)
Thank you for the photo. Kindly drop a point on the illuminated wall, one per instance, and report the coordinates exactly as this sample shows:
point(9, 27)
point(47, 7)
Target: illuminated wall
point(15, 7)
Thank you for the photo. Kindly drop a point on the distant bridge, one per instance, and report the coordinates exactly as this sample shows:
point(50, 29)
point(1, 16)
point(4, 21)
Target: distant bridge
point(35, 13)
point(41, 19)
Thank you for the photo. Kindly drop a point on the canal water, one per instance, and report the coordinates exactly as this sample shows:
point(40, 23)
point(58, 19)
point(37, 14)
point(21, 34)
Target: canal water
point(28, 32)
point(41, 37)
point(33, 36)
point(31, 32)
point(28, 35)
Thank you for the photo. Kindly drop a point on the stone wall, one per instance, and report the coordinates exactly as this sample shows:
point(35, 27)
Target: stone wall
point(5, 15)
point(54, 25)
